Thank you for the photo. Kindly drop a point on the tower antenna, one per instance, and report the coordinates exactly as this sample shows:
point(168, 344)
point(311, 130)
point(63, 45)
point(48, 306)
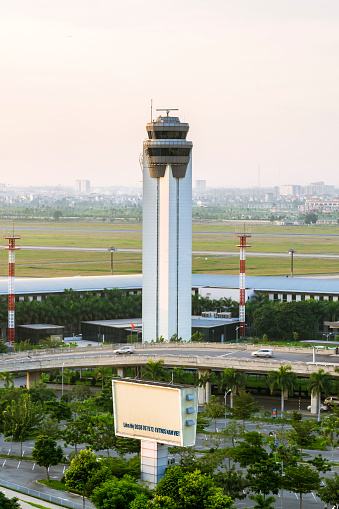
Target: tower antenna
point(167, 109)
point(151, 110)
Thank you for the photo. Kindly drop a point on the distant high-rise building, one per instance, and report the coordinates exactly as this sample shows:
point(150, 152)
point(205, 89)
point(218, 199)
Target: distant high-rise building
point(82, 186)
point(290, 190)
point(167, 230)
point(200, 186)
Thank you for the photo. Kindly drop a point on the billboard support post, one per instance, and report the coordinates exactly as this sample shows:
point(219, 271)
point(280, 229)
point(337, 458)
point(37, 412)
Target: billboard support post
point(154, 461)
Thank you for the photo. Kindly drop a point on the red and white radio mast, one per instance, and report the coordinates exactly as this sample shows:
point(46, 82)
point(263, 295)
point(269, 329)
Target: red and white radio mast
point(11, 236)
point(243, 236)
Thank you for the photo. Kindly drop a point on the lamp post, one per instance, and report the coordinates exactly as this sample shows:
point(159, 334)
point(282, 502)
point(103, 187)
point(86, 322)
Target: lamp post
point(225, 405)
point(236, 333)
point(112, 249)
point(62, 379)
point(291, 252)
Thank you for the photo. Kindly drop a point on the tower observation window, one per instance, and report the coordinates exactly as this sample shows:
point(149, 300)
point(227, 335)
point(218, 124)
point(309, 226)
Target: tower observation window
point(169, 152)
point(167, 135)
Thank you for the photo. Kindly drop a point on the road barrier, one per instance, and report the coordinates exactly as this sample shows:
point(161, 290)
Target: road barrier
point(39, 494)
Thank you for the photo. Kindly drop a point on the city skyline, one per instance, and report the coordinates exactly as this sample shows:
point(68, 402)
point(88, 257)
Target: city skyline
point(258, 82)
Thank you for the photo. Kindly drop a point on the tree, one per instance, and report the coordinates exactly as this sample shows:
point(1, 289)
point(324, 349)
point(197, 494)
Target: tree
point(21, 418)
point(320, 382)
point(250, 451)
point(40, 393)
point(49, 427)
point(232, 380)
point(197, 490)
point(76, 433)
point(3, 347)
point(214, 409)
point(204, 379)
point(302, 433)
point(117, 493)
point(311, 217)
point(103, 373)
point(301, 479)
point(265, 477)
point(46, 452)
point(169, 484)
point(8, 379)
point(244, 406)
point(9, 503)
point(153, 370)
point(57, 214)
point(283, 378)
point(80, 471)
point(233, 483)
point(262, 502)
point(329, 493)
point(101, 432)
point(58, 410)
point(159, 502)
point(329, 430)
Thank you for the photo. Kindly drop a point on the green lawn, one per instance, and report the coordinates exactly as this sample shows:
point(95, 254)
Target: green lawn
point(121, 235)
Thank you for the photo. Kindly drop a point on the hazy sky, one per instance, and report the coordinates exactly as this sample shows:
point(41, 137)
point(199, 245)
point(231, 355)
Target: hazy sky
point(258, 81)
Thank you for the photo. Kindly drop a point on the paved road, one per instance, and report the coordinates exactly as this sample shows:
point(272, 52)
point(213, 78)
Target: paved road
point(194, 253)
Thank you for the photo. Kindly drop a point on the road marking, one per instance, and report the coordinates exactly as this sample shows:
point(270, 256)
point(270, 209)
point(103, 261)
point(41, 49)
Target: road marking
point(226, 354)
point(18, 464)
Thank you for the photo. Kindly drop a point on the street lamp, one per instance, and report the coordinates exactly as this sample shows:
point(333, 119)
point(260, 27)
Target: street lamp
point(112, 249)
point(291, 252)
point(237, 333)
point(62, 379)
point(225, 405)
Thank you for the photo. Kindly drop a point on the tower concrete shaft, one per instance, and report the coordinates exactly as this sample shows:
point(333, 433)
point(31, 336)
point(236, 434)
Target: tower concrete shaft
point(243, 236)
point(167, 230)
point(11, 237)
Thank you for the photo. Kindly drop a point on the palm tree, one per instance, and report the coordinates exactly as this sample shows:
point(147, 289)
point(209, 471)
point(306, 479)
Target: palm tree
point(8, 379)
point(154, 370)
point(320, 382)
point(204, 379)
point(102, 373)
point(232, 380)
point(262, 503)
point(283, 378)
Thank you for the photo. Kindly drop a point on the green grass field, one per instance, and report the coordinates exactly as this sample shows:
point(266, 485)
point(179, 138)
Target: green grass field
point(103, 235)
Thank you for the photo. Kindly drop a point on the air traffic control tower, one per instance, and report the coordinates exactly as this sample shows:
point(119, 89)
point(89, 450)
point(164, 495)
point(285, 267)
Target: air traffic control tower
point(167, 230)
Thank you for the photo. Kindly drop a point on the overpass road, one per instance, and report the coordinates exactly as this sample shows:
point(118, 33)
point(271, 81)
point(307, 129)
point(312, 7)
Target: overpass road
point(194, 357)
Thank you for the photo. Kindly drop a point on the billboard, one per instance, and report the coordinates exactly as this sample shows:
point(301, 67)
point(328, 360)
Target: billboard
point(156, 411)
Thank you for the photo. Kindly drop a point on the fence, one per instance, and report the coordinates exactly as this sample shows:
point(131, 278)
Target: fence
point(38, 494)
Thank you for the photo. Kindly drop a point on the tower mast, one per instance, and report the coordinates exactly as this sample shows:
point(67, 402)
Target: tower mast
point(11, 236)
point(243, 236)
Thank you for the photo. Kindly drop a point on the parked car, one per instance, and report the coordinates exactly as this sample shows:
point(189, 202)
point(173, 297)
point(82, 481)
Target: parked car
point(323, 408)
point(263, 352)
point(124, 350)
point(331, 401)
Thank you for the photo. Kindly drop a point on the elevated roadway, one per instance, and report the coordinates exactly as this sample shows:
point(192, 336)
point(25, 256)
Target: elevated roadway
point(193, 356)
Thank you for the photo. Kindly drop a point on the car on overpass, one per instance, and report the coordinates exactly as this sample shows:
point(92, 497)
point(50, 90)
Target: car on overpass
point(124, 350)
point(263, 352)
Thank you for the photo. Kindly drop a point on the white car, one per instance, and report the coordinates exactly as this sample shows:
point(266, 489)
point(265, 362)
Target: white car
point(263, 352)
point(323, 408)
point(125, 350)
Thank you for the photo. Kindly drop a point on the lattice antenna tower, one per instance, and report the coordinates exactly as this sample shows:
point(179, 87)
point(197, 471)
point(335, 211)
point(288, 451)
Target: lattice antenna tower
point(11, 236)
point(243, 236)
